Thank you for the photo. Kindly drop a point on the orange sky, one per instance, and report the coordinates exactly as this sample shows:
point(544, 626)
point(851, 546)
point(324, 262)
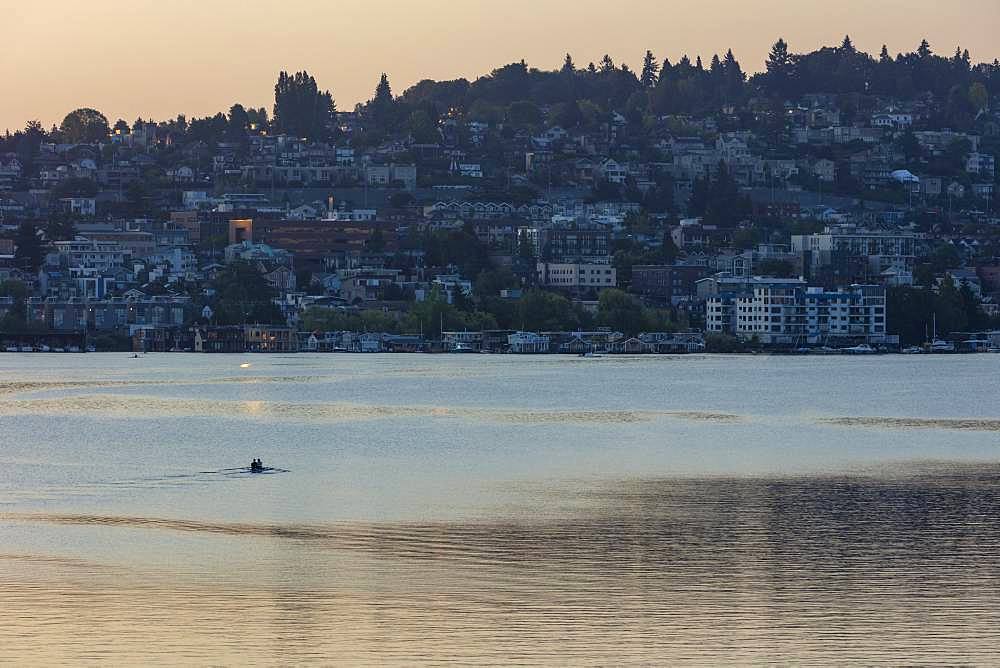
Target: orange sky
point(158, 58)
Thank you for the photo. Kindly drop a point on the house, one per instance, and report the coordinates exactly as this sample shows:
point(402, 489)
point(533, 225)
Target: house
point(981, 164)
point(391, 174)
point(612, 172)
point(892, 120)
point(527, 343)
point(982, 190)
point(825, 170)
point(79, 206)
point(10, 172)
point(269, 339)
point(631, 346)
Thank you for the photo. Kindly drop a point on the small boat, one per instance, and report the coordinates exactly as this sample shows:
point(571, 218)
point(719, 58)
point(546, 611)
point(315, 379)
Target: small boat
point(940, 346)
point(73, 349)
point(993, 349)
point(27, 349)
point(58, 350)
point(912, 350)
point(863, 349)
point(11, 349)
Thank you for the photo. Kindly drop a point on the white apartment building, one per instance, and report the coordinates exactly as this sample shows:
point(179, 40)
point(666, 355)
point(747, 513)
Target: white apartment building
point(789, 314)
point(100, 255)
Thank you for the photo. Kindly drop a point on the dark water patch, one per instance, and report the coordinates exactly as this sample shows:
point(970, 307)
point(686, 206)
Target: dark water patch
point(960, 424)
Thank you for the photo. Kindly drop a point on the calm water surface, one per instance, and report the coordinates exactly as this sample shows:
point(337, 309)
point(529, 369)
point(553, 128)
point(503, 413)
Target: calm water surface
point(697, 510)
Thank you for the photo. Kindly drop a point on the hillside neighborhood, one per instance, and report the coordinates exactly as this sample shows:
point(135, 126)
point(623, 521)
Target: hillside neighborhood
point(834, 201)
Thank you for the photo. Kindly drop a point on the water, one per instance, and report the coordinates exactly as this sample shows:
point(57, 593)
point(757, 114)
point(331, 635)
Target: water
point(499, 510)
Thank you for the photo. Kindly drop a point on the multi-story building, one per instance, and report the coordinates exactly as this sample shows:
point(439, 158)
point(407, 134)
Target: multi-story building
point(574, 245)
point(387, 175)
point(790, 314)
point(577, 276)
point(881, 250)
point(668, 283)
point(99, 255)
point(982, 164)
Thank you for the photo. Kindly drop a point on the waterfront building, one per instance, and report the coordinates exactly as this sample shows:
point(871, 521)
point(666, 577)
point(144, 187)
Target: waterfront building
point(528, 343)
point(794, 314)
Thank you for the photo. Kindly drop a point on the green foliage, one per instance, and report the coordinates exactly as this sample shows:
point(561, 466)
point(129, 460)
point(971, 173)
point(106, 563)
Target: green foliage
point(524, 114)
point(539, 310)
point(423, 128)
point(724, 343)
point(300, 107)
point(910, 311)
point(460, 248)
point(719, 201)
point(624, 313)
point(243, 295)
point(490, 282)
point(84, 126)
point(75, 186)
point(14, 320)
point(330, 320)
point(28, 251)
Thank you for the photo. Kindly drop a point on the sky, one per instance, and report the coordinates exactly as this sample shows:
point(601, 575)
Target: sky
point(159, 58)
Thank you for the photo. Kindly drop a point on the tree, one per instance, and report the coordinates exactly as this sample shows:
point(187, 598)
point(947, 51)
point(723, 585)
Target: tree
point(15, 317)
point(242, 295)
point(28, 250)
point(779, 69)
point(620, 311)
point(979, 97)
point(650, 68)
point(382, 104)
point(84, 126)
point(422, 128)
point(568, 67)
point(239, 121)
point(545, 311)
point(300, 107)
point(523, 113)
point(950, 307)
point(607, 64)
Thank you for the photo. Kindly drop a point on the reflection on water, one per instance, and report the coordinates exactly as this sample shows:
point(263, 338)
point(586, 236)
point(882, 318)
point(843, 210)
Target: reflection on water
point(491, 510)
point(143, 406)
point(808, 570)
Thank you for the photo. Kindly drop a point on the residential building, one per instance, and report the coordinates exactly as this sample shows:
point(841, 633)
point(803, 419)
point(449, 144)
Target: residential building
point(577, 276)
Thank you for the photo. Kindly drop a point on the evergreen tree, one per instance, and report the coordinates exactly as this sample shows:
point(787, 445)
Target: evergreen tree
point(650, 68)
point(607, 65)
point(382, 104)
point(300, 107)
point(779, 70)
point(568, 66)
point(28, 251)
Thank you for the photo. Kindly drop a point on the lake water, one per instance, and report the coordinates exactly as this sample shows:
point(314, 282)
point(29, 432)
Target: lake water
point(691, 510)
